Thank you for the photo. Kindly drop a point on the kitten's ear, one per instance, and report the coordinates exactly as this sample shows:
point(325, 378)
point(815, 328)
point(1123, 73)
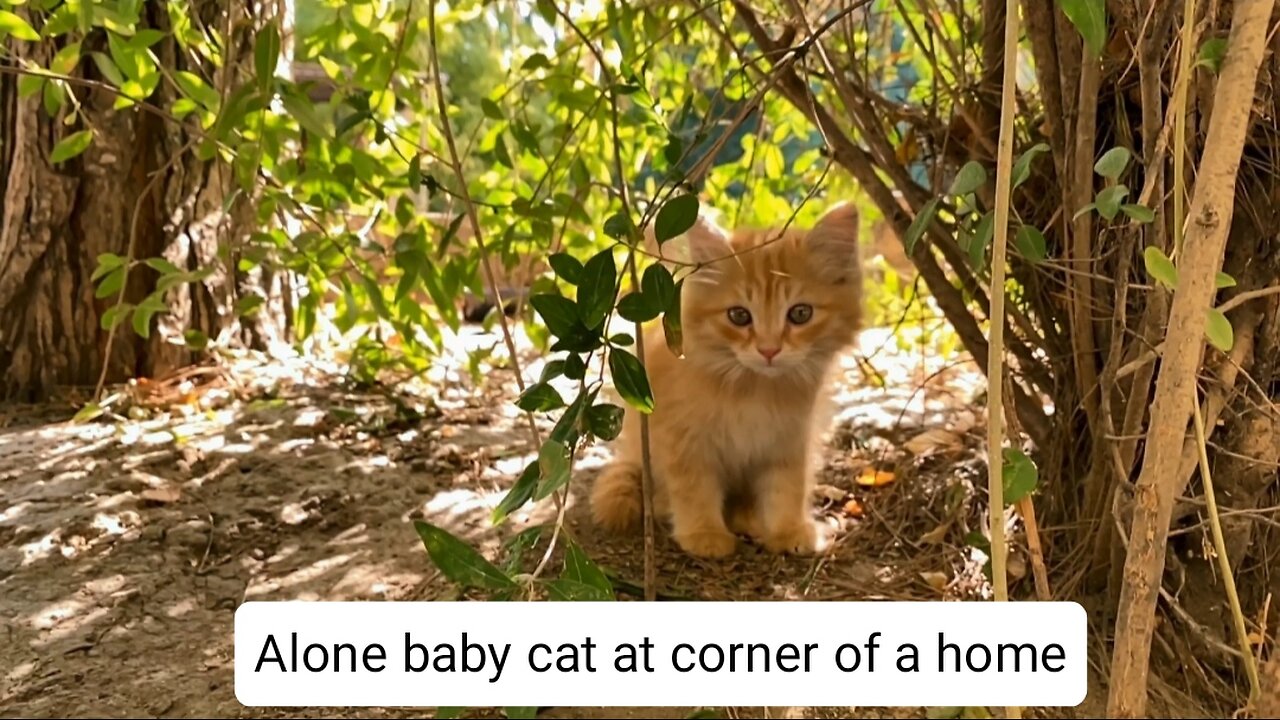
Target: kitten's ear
point(704, 242)
point(833, 244)
point(707, 240)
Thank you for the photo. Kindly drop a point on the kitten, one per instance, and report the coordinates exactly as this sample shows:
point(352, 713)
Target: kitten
point(736, 426)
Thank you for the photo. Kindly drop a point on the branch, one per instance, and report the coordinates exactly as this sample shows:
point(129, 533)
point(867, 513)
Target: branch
point(862, 166)
point(1212, 208)
point(620, 184)
point(455, 165)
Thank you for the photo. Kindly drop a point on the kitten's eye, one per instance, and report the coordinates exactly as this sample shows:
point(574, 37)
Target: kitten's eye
point(800, 314)
point(740, 316)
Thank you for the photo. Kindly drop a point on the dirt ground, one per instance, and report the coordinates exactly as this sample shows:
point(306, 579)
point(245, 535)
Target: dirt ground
point(127, 542)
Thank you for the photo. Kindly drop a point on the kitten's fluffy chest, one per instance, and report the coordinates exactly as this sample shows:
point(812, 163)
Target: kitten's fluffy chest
point(746, 426)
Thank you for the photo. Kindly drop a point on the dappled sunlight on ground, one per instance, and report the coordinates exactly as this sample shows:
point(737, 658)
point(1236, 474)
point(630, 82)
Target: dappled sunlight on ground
point(126, 543)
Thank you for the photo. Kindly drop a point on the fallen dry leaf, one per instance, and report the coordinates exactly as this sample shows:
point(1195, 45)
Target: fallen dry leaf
point(853, 508)
point(933, 441)
point(163, 495)
point(937, 534)
point(871, 477)
point(937, 580)
point(829, 492)
point(963, 422)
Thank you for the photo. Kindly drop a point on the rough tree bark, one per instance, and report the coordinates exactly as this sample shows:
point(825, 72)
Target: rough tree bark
point(57, 220)
point(1209, 216)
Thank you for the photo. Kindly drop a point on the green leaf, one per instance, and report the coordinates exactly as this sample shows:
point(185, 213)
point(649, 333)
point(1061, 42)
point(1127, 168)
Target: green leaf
point(1113, 162)
point(630, 380)
point(566, 266)
point(536, 61)
point(54, 98)
point(110, 284)
point(566, 429)
point(29, 85)
point(449, 713)
point(162, 266)
point(302, 110)
point(540, 397)
point(450, 233)
point(1019, 474)
point(71, 146)
point(248, 305)
point(114, 315)
point(618, 226)
point(1090, 19)
point(519, 494)
point(525, 137)
point(415, 173)
point(1211, 53)
point(623, 339)
point(1083, 210)
point(195, 339)
point(491, 109)
point(518, 544)
point(1160, 267)
point(460, 562)
point(982, 235)
point(1219, 331)
point(12, 25)
point(1138, 213)
point(975, 539)
point(196, 89)
point(971, 177)
point(553, 464)
point(919, 225)
point(551, 371)
point(580, 569)
point(266, 53)
point(87, 413)
point(108, 68)
point(558, 312)
point(673, 150)
point(574, 367)
point(106, 263)
point(658, 286)
point(64, 63)
point(563, 590)
point(142, 317)
point(596, 289)
point(1223, 280)
point(1108, 201)
point(547, 9)
point(1031, 243)
point(637, 307)
point(605, 421)
point(675, 217)
point(1022, 166)
point(520, 713)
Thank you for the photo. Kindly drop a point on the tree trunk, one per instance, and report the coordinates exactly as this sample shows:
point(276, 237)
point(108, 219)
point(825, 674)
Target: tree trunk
point(138, 192)
point(1210, 218)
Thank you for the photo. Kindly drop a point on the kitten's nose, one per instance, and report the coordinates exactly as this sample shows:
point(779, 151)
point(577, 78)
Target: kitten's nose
point(769, 353)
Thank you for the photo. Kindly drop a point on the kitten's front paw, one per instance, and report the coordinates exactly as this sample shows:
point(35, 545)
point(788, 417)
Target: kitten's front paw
point(708, 543)
point(805, 538)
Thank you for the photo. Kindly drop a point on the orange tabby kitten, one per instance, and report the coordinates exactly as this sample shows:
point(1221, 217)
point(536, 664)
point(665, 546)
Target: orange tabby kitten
point(736, 427)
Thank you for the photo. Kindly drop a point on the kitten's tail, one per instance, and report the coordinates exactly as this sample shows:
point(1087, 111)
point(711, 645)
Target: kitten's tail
point(616, 500)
